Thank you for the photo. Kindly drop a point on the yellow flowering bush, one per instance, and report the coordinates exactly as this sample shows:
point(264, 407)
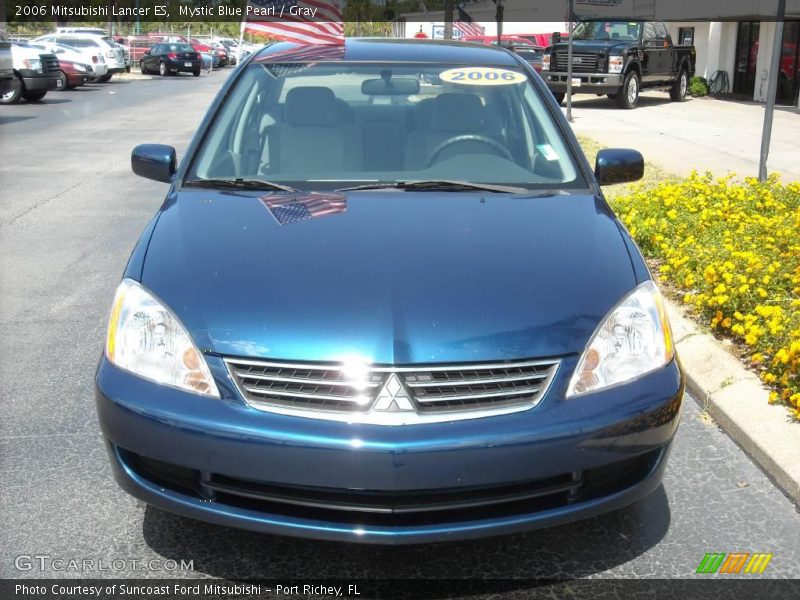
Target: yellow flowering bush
point(731, 250)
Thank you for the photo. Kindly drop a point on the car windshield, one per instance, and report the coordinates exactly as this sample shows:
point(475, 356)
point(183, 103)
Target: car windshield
point(608, 30)
point(327, 125)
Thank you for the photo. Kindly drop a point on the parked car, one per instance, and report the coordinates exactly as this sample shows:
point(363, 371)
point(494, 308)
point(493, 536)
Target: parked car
point(91, 58)
point(225, 56)
point(371, 315)
point(111, 51)
point(72, 74)
point(168, 59)
point(620, 58)
point(206, 50)
point(35, 73)
point(492, 40)
point(6, 68)
point(533, 54)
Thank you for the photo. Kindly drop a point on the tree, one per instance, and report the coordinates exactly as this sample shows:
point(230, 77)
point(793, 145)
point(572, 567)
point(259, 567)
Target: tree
point(448, 19)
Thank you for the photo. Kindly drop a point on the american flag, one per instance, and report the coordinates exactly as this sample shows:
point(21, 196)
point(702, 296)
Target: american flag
point(297, 58)
point(326, 27)
point(293, 208)
point(465, 24)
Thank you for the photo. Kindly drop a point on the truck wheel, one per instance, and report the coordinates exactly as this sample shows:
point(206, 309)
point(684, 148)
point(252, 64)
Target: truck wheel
point(681, 86)
point(559, 96)
point(15, 94)
point(34, 96)
point(628, 96)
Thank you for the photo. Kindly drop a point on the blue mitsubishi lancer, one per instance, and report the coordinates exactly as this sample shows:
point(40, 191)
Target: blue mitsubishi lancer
point(385, 301)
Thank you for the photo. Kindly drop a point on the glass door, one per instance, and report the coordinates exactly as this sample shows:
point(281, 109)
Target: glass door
point(789, 74)
point(744, 76)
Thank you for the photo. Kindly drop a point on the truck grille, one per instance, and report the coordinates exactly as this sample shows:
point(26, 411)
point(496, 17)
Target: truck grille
point(49, 63)
point(582, 62)
point(391, 394)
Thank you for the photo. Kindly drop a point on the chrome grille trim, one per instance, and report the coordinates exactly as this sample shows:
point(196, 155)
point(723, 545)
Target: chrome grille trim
point(582, 62)
point(434, 393)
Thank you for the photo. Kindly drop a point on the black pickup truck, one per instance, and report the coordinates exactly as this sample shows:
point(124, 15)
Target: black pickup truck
point(620, 58)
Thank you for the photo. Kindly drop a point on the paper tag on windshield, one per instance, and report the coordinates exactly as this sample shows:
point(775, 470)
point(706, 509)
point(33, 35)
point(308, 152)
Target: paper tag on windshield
point(546, 150)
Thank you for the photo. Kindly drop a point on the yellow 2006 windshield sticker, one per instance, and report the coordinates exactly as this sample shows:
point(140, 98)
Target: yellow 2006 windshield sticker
point(482, 76)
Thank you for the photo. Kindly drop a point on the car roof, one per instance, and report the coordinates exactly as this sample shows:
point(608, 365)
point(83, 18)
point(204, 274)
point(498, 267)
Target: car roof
point(394, 50)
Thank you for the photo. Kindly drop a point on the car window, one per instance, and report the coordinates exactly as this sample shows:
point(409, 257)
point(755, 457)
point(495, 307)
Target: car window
point(661, 31)
point(649, 32)
point(608, 30)
point(321, 125)
point(179, 48)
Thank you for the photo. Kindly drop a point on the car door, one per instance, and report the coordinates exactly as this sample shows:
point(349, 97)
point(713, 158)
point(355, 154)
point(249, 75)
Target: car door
point(151, 59)
point(667, 68)
point(656, 56)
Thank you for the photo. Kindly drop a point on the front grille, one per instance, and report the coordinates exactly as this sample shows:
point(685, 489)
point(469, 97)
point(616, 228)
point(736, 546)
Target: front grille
point(369, 393)
point(49, 63)
point(582, 62)
point(397, 507)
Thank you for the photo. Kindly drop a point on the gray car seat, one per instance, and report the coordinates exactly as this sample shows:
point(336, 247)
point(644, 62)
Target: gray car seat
point(314, 136)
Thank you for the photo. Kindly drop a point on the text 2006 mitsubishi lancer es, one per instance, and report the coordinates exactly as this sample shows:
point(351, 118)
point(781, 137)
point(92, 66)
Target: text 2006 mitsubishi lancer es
point(385, 301)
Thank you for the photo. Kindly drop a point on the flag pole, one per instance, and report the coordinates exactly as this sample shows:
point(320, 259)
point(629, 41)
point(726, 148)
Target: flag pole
point(239, 47)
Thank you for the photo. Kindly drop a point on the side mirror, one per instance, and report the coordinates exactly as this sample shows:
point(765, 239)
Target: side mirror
point(154, 161)
point(618, 165)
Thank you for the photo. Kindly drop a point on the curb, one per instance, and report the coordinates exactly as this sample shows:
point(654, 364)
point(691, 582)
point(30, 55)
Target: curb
point(738, 402)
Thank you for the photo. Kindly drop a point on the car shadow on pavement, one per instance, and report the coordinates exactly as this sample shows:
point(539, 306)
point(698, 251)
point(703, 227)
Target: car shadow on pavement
point(607, 103)
point(6, 120)
point(50, 100)
point(568, 551)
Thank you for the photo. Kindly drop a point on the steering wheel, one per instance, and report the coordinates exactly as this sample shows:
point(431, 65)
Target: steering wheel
point(470, 137)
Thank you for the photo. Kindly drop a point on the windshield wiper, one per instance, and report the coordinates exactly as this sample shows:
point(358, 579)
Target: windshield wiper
point(439, 185)
point(239, 183)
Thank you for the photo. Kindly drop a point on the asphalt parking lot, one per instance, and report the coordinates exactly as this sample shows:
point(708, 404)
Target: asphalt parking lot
point(71, 211)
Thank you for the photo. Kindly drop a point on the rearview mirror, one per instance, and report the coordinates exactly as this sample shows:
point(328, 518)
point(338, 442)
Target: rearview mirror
point(618, 165)
point(395, 86)
point(154, 161)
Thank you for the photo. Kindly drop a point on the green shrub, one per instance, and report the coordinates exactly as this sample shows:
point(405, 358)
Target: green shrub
point(698, 87)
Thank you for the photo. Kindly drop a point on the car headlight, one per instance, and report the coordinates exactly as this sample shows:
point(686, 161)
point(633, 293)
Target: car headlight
point(545, 62)
point(34, 64)
point(615, 64)
point(633, 340)
point(80, 68)
point(147, 339)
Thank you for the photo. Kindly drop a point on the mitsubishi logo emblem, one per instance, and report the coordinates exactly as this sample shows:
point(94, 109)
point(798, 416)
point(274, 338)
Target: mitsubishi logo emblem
point(393, 397)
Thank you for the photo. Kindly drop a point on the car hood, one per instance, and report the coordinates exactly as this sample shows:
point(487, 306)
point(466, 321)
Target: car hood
point(388, 277)
point(595, 46)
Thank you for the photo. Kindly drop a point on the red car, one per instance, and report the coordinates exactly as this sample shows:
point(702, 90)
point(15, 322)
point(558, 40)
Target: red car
point(71, 74)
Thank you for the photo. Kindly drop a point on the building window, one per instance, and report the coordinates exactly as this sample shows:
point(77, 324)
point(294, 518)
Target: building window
point(686, 36)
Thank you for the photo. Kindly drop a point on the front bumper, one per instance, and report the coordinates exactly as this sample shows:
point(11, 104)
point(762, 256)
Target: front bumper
point(40, 83)
point(590, 83)
point(76, 79)
point(224, 462)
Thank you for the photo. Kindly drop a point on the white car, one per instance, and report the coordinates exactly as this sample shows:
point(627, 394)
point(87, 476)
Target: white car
point(87, 56)
point(111, 51)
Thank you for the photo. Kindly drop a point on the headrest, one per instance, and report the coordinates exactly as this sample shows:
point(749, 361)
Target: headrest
point(311, 105)
point(457, 112)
